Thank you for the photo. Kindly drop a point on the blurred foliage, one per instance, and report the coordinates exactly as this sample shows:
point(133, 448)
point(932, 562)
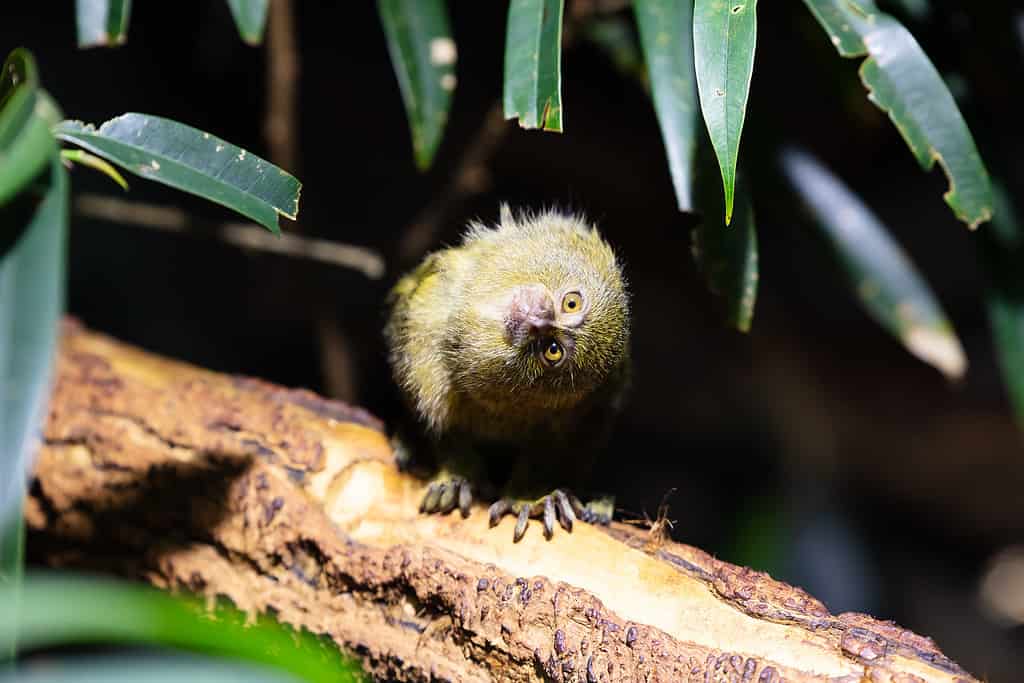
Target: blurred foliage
point(63, 609)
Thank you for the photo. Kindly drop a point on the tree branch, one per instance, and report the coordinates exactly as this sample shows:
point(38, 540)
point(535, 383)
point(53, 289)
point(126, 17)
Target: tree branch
point(289, 503)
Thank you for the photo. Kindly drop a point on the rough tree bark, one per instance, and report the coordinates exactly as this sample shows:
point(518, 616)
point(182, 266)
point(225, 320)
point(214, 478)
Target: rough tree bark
point(286, 502)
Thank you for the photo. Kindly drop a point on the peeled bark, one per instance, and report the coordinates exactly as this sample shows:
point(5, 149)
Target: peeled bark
point(289, 503)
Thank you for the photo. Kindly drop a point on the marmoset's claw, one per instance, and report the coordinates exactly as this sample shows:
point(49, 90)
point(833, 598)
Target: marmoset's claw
point(446, 493)
point(559, 506)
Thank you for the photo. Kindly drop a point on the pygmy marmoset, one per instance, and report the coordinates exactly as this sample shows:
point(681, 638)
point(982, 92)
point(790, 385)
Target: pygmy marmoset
point(512, 350)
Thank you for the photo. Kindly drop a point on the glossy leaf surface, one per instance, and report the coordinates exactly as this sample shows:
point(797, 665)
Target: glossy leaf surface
point(666, 33)
point(902, 82)
point(174, 154)
point(724, 39)
point(533, 64)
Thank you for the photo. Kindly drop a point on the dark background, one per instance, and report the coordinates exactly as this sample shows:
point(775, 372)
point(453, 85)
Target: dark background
point(815, 447)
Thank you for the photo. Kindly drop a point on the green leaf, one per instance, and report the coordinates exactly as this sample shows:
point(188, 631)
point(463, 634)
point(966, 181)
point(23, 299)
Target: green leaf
point(667, 36)
point(1002, 251)
point(26, 143)
point(877, 269)
point(423, 56)
point(151, 668)
point(902, 82)
point(188, 159)
point(724, 38)
point(31, 302)
point(77, 156)
point(727, 254)
point(250, 18)
point(63, 609)
point(102, 22)
point(533, 64)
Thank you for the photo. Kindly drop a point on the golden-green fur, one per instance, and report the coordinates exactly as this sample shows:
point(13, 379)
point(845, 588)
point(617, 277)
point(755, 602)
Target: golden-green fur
point(447, 341)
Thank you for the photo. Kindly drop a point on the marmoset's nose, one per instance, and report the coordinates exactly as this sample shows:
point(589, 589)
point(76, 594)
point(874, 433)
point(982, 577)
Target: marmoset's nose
point(531, 313)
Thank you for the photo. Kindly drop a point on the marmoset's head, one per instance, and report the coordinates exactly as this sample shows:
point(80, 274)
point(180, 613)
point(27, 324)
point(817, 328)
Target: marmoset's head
point(545, 315)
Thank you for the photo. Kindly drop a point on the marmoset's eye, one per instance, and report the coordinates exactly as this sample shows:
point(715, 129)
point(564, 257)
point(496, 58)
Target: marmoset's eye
point(553, 352)
point(572, 302)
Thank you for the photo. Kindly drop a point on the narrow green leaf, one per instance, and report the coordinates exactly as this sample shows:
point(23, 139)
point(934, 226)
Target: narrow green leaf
point(62, 609)
point(151, 668)
point(26, 143)
point(423, 56)
point(78, 156)
point(31, 302)
point(666, 32)
point(533, 64)
point(188, 159)
point(250, 18)
point(902, 82)
point(1002, 252)
point(102, 22)
point(726, 255)
point(724, 38)
point(877, 269)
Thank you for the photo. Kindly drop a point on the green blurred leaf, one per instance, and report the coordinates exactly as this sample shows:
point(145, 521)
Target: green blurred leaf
point(31, 302)
point(902, 82)
point(666, 32)
point(102, 22)
point(82, 158)
point(1002, 251)
point(188, 159)
point(724, 38)
point(879, 272)
point(727, 254)
point(250, 18)
point(151, 668)
point(26, 143)
point(615, 37)
point(423, 55)
point(533, 64)
point(58, 609)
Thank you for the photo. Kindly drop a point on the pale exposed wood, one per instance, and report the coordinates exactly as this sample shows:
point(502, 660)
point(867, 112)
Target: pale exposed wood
point(284, 501)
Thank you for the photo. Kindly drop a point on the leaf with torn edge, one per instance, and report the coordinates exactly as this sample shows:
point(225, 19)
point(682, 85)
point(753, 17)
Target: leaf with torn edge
point(902, 82)
point(666, 32)
point(423, 55)
point(26, 144)
point(726, 255)
point(533, 64)
point(174, 154)
point(102, 23)
point(724, 39)
point(876, 267)
point(250, 19)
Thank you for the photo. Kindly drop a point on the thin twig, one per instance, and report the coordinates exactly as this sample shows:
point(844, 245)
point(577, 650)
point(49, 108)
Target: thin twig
point(244, 235)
